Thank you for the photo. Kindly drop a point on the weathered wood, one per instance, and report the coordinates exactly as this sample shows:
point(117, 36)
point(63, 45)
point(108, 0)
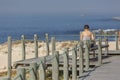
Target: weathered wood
point(41, 70)
point(64, 61)
point(65, 72)
point(112, 52)
point(80, 55)
point(23, 54)
point(96, 47)
point(53, 44)
point(99, 53)
point(47, 44)
point(9, 57)
point(33, 71)
point(74, 64)
point(36, 45)
point(86, 55)
point(4, 78)
point(20, 74)
point(55, 66)
point(117, 44)
point(106, 49)
point(23, 47)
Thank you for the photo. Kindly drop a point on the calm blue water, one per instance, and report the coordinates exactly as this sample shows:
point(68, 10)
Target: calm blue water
point(15, 26)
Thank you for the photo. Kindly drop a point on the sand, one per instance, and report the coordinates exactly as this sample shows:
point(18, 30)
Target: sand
point(30, 53)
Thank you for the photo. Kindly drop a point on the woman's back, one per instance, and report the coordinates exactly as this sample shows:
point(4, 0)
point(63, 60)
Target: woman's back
point(86, 35)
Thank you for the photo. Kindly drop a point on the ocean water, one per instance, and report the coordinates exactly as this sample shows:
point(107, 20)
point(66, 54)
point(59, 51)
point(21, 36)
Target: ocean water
point(15, 26)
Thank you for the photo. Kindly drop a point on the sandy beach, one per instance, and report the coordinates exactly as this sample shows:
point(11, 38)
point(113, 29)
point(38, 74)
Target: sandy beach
point(17, 51)
point(30, 52)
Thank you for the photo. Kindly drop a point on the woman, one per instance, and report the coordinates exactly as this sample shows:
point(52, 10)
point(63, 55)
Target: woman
point(88, 35)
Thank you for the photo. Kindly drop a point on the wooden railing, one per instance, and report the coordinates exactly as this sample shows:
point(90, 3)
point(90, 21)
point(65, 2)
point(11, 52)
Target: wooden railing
point(71, 60)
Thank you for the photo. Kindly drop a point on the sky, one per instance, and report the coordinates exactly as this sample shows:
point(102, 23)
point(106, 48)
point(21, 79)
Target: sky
point(35, 7)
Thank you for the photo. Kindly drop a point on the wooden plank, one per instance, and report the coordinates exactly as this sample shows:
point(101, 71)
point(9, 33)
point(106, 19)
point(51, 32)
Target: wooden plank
point(65, 66)
point(96, 47)
point(74, 64)
point(27, 62)
point(41, 71)
point(33, 71)
point(4, 78)
point(33, 60)
point(55, 66)
point(112, 52)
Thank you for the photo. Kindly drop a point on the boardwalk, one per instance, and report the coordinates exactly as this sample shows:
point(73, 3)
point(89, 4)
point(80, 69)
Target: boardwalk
point(110, 70)
point(74, 60)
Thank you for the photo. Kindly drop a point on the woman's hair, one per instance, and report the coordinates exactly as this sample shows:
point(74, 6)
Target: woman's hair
point(86, 27)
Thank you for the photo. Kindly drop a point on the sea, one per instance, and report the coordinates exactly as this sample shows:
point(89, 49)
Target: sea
point(64, 27)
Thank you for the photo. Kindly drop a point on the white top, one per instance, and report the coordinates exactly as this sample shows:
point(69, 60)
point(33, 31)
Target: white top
point(86, 38)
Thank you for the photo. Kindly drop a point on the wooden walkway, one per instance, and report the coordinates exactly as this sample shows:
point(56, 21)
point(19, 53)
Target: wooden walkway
point(110, 70)
point(77, 59)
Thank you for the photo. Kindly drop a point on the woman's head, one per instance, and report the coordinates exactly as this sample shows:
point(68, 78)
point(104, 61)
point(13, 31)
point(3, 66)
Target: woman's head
point(86, 27)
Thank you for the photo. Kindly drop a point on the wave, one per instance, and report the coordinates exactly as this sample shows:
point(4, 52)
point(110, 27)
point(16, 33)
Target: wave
point(93, 30)
point(116, 18)
point(105, 30)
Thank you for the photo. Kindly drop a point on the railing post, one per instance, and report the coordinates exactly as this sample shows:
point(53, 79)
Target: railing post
point(86, 54)
point(74, 64)
point(23, 47)
point(117, 44)
point(53, 44)
point(47, 43)
point(99, 53)
point(106, 49)
point(80, 54)
point(55, 66)
point(65, 72)
point(36, 45)
point(23, 54)
point(9, 57)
